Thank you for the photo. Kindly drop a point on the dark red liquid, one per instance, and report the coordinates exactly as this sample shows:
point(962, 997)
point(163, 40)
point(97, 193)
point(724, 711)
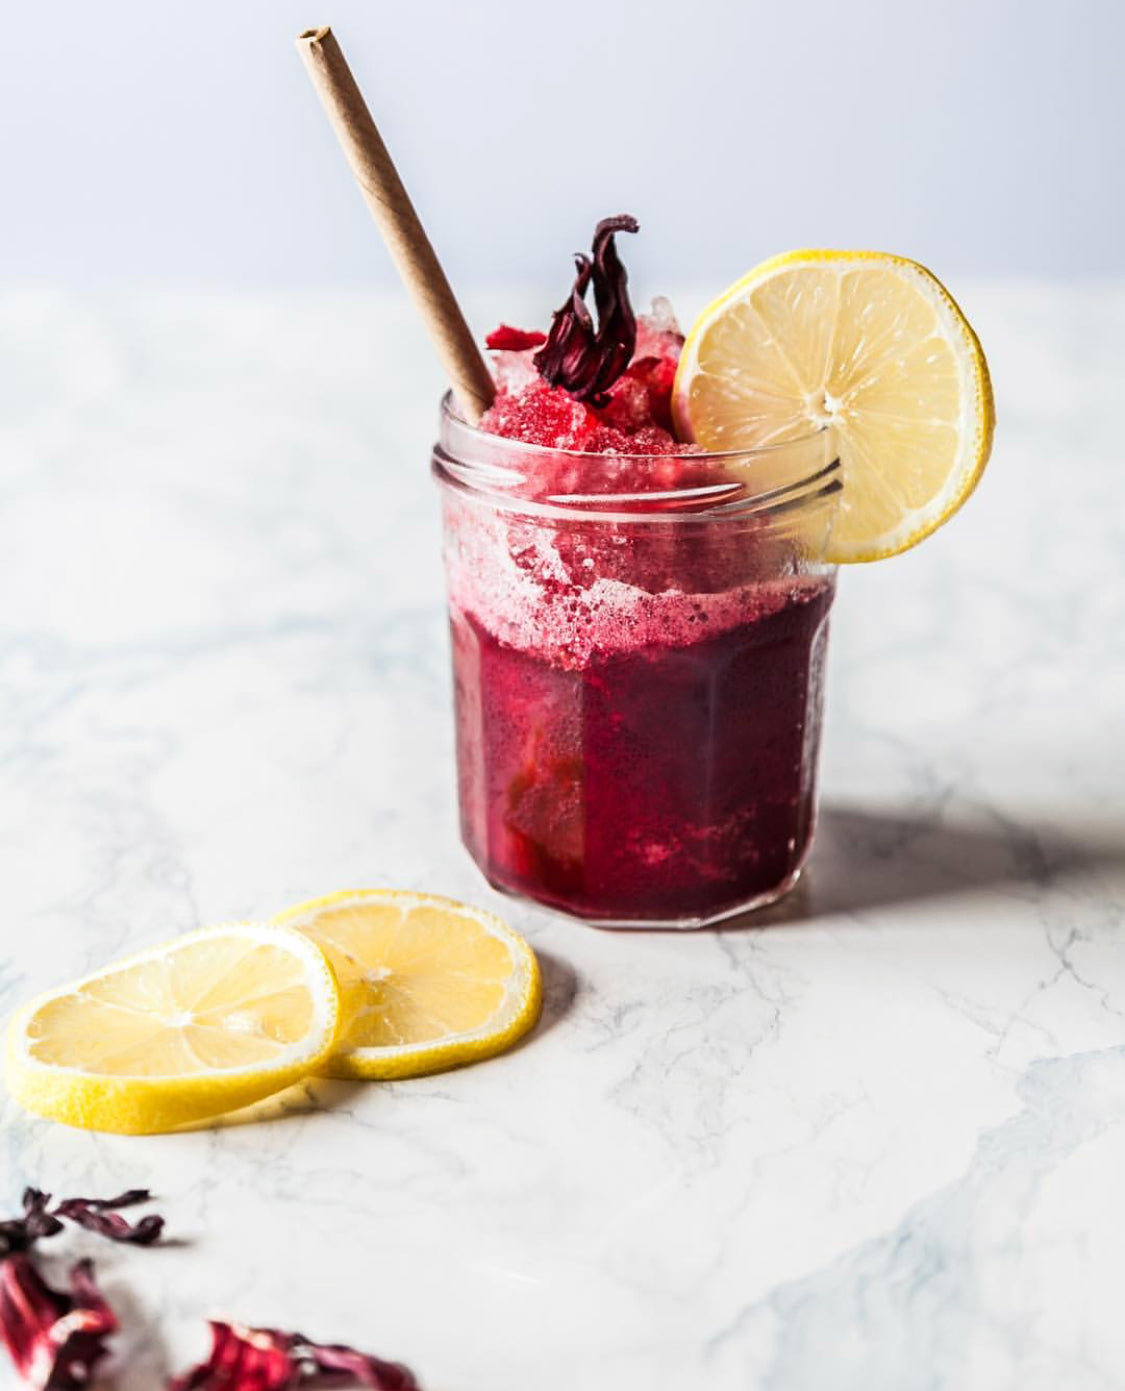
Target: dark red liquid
point(655, 784)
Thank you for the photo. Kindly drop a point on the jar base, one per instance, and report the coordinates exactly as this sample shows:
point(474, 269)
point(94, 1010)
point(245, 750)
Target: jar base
point(684, 923)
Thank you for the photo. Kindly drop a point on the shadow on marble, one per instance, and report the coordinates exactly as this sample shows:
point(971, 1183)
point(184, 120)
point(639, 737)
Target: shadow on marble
point(139, 1355)
point(310, 1096)
point(865, 858)
point(561, 988)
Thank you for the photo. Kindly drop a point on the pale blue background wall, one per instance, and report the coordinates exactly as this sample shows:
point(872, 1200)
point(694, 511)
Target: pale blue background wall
point(181, 141)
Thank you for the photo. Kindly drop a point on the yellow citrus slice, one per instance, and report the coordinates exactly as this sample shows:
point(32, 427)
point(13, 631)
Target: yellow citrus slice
point(204, 1024)
point(427, 983)
point(870, 344)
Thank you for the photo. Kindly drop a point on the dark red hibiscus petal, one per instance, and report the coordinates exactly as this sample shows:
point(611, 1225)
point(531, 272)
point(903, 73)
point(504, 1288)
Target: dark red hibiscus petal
point(55, 1339)
point(100, 1215)
point(266, 1359)
point(21, 1233)
point(359, 1367)
point(584, 360)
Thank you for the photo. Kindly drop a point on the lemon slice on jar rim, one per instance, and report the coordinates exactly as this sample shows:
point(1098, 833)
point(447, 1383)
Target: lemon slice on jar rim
point(870, 344)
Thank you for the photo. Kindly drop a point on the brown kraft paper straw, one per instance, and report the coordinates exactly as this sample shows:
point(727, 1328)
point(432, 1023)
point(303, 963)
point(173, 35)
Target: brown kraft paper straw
point(390, 206)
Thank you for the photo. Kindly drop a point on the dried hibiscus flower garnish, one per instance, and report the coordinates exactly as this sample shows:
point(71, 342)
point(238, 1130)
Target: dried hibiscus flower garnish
point(265, 1359)
point(584, 359)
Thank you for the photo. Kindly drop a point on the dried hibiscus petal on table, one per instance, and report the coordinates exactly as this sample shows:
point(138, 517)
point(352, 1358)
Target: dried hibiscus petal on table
point(56, 1338)
point(100, 1215)
point(265, 1359)
point(21, 1233)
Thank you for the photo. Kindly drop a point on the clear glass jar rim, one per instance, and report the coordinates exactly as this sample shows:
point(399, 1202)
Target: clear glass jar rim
point(472, 460)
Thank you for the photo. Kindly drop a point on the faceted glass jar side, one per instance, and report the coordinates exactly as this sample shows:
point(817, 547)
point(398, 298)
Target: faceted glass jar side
point(638, 655)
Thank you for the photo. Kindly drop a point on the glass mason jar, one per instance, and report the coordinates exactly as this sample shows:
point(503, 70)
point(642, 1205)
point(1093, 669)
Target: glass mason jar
point(638, 658)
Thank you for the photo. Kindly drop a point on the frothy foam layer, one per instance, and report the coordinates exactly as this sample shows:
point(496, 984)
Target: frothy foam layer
point(512, 579)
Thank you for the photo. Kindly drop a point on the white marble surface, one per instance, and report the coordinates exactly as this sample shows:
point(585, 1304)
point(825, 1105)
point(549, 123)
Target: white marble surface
point(873, 1142)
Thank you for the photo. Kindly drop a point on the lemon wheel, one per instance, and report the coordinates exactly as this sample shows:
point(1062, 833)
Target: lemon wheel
point(873, 346)
point(205, 1024)
point(428, 983)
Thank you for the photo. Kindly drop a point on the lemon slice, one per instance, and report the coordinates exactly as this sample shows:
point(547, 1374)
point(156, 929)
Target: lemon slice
point(212, 1021)
point(870, 344)
point(427, 983)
